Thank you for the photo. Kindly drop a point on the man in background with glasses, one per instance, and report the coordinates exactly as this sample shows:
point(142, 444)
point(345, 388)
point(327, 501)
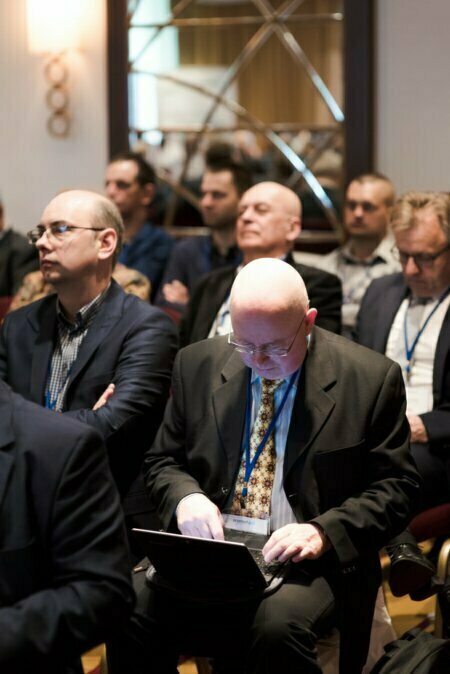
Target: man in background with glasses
point(337, 484)
point(406, 316)
point(91, 351)
point(366, 254)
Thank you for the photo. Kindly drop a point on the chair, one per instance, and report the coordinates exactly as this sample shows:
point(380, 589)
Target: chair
point(435, 523)
point(431, 523)
point(4, 306)
point(443, 570)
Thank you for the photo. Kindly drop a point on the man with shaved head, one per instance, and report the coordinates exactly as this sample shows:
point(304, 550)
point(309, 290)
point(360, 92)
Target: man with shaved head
point(269, 222)
point(285, 427)
point(90, 351)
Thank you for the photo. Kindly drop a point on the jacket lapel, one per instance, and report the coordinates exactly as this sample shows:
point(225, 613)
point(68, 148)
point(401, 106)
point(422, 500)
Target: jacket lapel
point(108, 315)
point(393, 298)
point(440, 358)
point(216, 293)
point(43, 324)
point(312, 405)
point(229, 402)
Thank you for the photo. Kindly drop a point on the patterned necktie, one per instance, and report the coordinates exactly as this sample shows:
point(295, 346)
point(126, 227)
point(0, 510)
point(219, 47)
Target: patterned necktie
point(259, 488)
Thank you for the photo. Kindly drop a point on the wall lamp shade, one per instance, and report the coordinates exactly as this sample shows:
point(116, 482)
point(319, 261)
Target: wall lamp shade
point(54, 25)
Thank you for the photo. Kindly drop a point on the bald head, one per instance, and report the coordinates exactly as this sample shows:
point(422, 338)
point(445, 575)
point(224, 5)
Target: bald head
point(269, 221)
point(276, 193)
point(269, 313)
point(90, 208)
point(270, 286)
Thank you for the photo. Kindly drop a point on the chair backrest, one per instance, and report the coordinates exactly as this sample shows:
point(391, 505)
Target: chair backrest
point(443, 571)
point(4, 306)
point(432, 523)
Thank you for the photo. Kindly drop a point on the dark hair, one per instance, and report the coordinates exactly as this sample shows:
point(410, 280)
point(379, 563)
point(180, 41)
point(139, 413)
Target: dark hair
point(242, 177)
point(222, 156)
point(146, 172)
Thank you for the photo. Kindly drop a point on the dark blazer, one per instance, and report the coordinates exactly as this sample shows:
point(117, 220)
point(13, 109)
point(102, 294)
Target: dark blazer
point(17, 258)
point(347, 465)
point(378, 309)
point(64, 580)
point(324, 290)
point(129, 343)
point(148, 252)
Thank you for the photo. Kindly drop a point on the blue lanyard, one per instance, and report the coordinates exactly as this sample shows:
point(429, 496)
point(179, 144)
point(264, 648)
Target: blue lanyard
point(50, 403)
point(250, 463)
point(409, 350)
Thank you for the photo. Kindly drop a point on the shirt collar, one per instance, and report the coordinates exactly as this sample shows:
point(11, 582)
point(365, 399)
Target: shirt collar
point(257, 378)
point(84, 315)
point(382, 253)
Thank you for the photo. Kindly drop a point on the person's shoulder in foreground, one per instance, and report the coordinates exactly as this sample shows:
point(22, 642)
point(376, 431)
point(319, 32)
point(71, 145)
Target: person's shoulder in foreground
point(64, 579)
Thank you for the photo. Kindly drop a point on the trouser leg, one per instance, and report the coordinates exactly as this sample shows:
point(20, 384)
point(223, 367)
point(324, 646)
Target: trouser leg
point(287, 625)
point(272, 635)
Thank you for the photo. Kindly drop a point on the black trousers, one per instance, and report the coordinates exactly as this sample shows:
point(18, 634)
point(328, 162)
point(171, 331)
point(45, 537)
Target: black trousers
point(268, 636)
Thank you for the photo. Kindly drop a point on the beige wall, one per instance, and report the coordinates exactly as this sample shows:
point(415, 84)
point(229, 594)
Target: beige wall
point(33, 165)
point(412, 105)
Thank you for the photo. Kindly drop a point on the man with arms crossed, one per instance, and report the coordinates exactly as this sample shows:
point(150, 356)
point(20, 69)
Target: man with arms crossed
point(91, 342)
point(338, 487)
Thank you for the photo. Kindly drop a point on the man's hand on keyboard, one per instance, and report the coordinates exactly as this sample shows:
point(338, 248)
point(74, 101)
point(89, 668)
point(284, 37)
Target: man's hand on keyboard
point(296, 542)
point(198, 516)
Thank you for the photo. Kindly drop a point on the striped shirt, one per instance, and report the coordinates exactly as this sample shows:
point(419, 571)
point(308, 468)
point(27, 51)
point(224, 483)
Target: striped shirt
point(68, 341)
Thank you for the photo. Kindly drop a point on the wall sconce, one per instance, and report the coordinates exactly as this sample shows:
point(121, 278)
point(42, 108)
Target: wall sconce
point(54, 28)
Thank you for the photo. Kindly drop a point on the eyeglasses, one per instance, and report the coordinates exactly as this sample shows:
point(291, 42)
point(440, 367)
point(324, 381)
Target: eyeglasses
point(270, 351)
point(420, 259)
point(57, 230)
point(365, 206)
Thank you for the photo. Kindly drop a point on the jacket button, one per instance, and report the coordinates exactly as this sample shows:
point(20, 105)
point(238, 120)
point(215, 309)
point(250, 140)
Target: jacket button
point(224, 490)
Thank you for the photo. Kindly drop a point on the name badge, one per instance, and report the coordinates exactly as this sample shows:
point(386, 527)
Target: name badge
point(251, 525)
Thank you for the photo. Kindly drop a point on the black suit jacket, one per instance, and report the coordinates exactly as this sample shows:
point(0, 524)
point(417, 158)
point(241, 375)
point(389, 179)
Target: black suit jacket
point(378, 309)
point(346, 467)
point(324, 290)
point(129, 343)
point(64, 580)
point(17, 258)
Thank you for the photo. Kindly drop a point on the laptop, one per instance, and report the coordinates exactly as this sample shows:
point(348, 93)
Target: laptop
point(201, 569)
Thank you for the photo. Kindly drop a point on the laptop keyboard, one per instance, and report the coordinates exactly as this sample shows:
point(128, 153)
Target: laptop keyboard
point(255, 543)
point(267, 569)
